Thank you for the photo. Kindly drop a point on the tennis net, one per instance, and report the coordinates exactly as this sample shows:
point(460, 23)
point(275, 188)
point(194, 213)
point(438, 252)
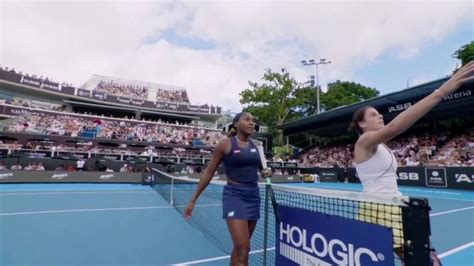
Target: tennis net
point(406, 217)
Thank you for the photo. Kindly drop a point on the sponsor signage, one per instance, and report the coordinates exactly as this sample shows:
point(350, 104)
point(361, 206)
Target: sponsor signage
point(328, 175)
point(98, 95)
point(450, 177)
point(35, 154)
point(453, 96)
point(78, 155)
point(50, 86)
point(411, 176)
point(165, 159)
point(31, 81)
point(332, 240)
point(137, 102)
point(113, 157)
point(436, 177)
point(191, 160)
point(290, 164)
point(463, 178)
point(274, 164)
point(193, 108)
point(460, 177)
point(69, 177)
point(5, 175)
point(123, 100)
point(83, 93)
point(59, 176)
point(106, 176)
point(160, 105)
point(16, 111)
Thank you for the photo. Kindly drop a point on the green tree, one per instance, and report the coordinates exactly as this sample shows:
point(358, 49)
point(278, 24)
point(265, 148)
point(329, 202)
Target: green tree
point(278, 99)
point(465, 53)
point(342, 93)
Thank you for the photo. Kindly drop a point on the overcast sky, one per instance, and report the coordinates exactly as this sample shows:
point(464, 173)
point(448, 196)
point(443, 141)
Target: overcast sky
point(214, 48)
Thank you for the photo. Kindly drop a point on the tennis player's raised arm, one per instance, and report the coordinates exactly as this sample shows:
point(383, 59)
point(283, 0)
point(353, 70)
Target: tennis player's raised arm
point(408, 117)
point(220, 150)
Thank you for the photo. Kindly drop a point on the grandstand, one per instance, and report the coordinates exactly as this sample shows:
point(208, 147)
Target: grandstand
point(106, 117)
point(111, 91)
point(443, 139)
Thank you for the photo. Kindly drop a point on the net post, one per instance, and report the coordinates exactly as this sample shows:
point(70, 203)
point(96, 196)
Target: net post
point(265, 221)
point(416, 231)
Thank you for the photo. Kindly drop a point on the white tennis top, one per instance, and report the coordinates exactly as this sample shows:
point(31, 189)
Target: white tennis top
point(379, 173)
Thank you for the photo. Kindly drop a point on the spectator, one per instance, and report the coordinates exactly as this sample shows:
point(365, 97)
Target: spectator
point(39, 167)
point(16, 166)
point(30, 167)
point(80, 165)
point(124, 168)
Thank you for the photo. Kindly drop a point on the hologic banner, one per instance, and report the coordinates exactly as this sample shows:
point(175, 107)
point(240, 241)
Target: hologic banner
point(309, 238)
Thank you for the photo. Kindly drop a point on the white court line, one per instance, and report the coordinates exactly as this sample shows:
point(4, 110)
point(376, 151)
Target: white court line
point(98, 210)
point(430, 191)
point(443, 198)
point(445, 254)
point(71, 192)
point(218, 258)
point(420, 193)
point(62, 192)
point(446, 212)
point(455, 250)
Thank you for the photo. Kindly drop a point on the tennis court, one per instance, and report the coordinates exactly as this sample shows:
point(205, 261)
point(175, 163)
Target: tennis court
point(85, 224)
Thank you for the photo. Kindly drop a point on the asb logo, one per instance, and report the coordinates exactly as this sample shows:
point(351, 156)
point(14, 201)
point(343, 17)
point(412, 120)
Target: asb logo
point(408, 176)
point(399, 107)
point(463, 178)
point(436, 177)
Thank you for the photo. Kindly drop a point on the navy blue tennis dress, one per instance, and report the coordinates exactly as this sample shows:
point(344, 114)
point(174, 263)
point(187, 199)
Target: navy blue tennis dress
point(241, 201)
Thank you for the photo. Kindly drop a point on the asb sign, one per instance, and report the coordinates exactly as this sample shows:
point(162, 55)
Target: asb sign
point(309, 238)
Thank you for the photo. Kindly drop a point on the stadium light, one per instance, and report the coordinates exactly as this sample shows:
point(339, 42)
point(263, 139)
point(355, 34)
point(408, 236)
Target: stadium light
point(311, 62)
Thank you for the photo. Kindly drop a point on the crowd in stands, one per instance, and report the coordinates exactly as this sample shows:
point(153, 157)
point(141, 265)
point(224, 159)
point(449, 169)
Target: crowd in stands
point(31, 166)
point(124, 90)
point(414, 150)
point(62, 108)
point(34, 76)
point(173, 96)
point(140, 92)
point(32, 104)
point(75, 126)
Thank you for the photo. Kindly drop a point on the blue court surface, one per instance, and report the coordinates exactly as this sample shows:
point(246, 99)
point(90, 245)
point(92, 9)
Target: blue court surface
point(97, 224)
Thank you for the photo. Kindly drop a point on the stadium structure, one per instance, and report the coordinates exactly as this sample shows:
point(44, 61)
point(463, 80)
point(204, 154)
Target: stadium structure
point(28, 101)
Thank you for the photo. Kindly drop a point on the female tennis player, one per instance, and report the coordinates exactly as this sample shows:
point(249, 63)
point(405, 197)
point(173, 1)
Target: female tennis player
point(375, 163)
point(241, 197)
